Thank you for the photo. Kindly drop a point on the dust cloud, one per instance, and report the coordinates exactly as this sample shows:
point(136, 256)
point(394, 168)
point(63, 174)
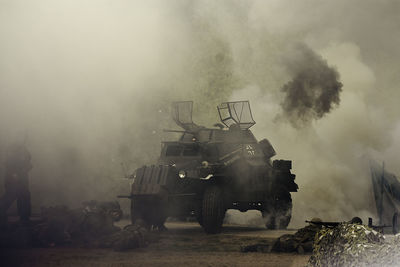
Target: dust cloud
point(88, 84)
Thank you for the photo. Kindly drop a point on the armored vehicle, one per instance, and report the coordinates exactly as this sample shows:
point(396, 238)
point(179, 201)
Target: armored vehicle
point(210, 170)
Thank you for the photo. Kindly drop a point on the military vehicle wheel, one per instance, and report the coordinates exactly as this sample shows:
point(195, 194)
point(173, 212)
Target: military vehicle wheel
point(135, 213)
point(395, 223)
point(278, 217)
point(284, 220)
point(199, 213)
point(269, 220)
point(150, 211)
point(283, 208)
point(213, 210)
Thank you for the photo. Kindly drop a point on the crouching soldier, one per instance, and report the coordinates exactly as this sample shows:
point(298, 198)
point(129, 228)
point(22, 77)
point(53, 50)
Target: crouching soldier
point(17, 167)
point(302, 241)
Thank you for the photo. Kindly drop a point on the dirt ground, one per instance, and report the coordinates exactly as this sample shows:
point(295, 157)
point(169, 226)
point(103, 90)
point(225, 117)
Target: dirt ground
point(184, 244)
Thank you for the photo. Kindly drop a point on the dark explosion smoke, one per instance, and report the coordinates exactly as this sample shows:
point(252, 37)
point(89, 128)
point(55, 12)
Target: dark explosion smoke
point(314, 90)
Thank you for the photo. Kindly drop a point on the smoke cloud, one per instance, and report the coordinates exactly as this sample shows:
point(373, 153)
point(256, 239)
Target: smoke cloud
point(89, 84)
point(314, 89)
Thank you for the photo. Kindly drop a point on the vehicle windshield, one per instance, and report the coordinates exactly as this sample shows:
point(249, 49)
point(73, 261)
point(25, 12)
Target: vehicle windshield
point(186, 150)
point(235, 136)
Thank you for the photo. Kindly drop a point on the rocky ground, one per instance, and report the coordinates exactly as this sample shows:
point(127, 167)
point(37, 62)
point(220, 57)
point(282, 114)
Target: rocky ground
point(184, 244)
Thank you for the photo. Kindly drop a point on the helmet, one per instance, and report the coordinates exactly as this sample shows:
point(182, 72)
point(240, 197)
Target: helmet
point(316, 220)
point(356, 220)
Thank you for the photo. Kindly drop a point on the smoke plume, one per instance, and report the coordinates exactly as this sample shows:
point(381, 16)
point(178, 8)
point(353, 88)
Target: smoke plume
point(313, 91)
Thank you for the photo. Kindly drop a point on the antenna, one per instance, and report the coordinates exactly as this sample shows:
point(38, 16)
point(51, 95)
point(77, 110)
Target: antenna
point(124, 170)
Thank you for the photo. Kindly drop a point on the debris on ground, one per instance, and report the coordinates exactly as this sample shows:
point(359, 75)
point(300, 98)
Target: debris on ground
point(61, 225)
point(263, 248)
point(19, 237)
point(91, 225)
point(132, 236)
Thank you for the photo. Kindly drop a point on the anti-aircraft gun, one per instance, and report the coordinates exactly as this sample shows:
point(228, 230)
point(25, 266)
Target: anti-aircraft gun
point(210, 170)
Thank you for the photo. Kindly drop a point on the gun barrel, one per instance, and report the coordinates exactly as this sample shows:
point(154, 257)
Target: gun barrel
point(121, 196)
point(328, 224)
point(175, 131)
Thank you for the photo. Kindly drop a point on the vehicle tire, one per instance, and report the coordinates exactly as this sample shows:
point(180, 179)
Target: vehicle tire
point(199, 213)
point(269, 219)
point(283, 210)
point(284, 220)
point(135, 213)
point(150, 211)
point(395, 223)
point(213, 210)
point(279, 214)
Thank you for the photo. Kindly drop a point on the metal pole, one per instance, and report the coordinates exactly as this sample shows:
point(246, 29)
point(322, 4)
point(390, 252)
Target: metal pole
point(381, 198)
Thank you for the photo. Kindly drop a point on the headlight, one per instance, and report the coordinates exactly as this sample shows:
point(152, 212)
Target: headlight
point(182, 174)
point(204, 164)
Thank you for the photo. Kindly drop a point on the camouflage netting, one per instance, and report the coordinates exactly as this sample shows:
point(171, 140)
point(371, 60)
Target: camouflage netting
point(354, 245)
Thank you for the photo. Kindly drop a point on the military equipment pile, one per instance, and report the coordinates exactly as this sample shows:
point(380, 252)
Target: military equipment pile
point(354, 245)
point(132, 236)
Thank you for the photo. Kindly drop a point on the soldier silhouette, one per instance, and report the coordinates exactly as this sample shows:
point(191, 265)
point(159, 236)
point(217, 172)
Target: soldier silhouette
point(16, 182)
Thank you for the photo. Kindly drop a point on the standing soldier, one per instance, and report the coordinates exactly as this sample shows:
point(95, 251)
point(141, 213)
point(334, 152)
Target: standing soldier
point(17, 166)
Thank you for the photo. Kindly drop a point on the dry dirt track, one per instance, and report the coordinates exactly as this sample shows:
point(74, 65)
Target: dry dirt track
point(184, 244)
